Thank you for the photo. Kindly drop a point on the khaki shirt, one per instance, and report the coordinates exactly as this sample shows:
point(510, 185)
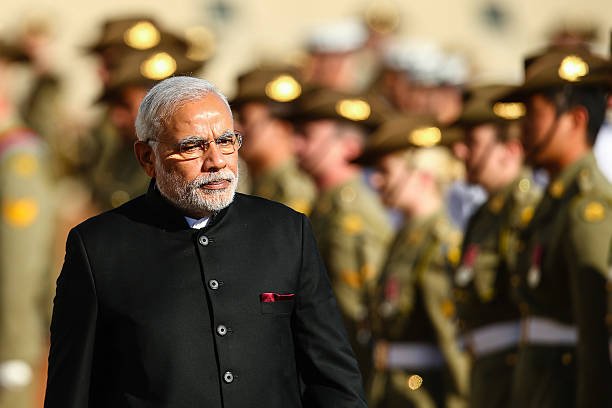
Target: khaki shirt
point(286, 184)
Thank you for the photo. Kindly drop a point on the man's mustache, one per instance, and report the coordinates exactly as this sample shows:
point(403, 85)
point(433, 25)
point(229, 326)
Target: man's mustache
point(221, 175)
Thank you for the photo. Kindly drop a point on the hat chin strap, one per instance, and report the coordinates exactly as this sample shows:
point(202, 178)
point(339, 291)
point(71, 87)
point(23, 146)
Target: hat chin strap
point(531, 153)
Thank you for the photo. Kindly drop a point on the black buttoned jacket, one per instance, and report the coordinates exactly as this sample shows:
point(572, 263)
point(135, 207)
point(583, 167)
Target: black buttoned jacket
point(150, 313)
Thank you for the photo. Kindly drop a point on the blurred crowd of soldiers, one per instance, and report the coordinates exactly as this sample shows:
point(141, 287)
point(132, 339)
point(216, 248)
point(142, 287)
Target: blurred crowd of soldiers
point(466, 227)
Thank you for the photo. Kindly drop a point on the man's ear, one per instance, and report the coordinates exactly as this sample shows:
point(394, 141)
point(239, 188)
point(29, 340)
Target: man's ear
point(145, 156)
point(580, 117)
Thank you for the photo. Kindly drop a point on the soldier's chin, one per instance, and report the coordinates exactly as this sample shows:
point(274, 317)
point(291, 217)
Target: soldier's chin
point(472, 177)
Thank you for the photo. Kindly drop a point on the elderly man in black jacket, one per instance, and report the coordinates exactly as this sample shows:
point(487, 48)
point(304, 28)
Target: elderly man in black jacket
point(193, 295)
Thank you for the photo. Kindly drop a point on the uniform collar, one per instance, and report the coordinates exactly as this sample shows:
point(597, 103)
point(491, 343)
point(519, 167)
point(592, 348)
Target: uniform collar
point(523, 183)
point(558, 187)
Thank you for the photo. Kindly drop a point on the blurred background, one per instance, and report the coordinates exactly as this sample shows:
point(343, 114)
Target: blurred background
point(493, 34)
point(70, 72)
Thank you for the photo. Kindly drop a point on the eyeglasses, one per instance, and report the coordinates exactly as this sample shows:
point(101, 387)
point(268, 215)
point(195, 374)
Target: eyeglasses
point(194, 147)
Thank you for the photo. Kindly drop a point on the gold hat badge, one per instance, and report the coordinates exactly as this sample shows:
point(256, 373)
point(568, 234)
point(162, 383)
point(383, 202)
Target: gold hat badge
point(573, 68)
point(425, 136)
point(353, 109)
point(509, 110)
point(283, 88)
point(142, 36)
point(158, 66)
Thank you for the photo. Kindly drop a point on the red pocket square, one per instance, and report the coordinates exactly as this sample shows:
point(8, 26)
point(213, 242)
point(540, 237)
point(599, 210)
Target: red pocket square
point(268, 297)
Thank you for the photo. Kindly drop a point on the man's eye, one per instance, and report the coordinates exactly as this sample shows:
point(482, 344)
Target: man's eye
point(189, 147)
point(224, 141)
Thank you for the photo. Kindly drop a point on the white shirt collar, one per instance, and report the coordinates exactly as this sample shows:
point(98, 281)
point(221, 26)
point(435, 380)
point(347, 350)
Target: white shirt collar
point(197, 224)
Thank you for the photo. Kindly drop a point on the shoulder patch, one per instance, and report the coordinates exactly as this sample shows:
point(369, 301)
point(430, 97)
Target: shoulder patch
point(593, 211)
point(20, 213)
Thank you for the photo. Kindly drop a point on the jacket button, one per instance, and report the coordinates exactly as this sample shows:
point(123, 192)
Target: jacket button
point(213, 284)
point(228, 377)
point(221, 330)
point(203, 240)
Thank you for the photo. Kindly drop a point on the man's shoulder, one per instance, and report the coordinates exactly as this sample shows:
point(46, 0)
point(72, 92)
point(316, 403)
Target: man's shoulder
point(111, 220)
point(257, 203)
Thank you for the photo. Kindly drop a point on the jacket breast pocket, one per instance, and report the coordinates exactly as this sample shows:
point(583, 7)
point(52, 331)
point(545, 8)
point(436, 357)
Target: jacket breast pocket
point(282, 308)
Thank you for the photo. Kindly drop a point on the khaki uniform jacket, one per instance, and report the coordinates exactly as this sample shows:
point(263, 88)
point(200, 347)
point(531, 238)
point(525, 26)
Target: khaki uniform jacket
point(562, 267)
point(286, 184)
point(353, 233)
point(413, 300)
point(25, 248)
point(482, 289)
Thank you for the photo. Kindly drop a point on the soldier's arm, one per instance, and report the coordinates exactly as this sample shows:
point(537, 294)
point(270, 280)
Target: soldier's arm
point(73, 330)
point(588, 250)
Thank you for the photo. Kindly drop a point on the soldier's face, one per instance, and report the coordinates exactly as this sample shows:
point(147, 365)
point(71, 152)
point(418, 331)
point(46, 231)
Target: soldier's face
point(395, 183)
point(542, 131)
point(256, 125)
point(483, 154)
point(205, 184)
point(318, 147)
point(124, 114)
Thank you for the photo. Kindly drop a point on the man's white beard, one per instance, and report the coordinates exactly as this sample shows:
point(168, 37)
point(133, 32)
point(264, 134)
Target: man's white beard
point(191, 196)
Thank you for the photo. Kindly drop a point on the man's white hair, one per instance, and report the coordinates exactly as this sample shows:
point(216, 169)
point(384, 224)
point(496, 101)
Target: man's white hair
point(165, 98)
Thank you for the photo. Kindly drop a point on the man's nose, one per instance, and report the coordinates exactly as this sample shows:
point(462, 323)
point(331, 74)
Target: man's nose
point(213, 159)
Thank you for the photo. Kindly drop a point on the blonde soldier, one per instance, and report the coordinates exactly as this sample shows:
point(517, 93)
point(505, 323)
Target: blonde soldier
point(413, 315)
point(564, 256)
point(262, 103)
point(349, 222)
point(26, 222)
point(488, 316)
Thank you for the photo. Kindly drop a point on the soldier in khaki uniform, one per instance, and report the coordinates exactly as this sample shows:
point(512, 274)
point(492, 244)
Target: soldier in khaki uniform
point(262, 103)
point(489, 319)
point(351, 226)
point(564, 253)
point(417, 359)
point(26, 222)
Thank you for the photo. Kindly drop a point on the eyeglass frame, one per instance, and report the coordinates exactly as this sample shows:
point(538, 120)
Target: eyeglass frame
point(202, 144)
